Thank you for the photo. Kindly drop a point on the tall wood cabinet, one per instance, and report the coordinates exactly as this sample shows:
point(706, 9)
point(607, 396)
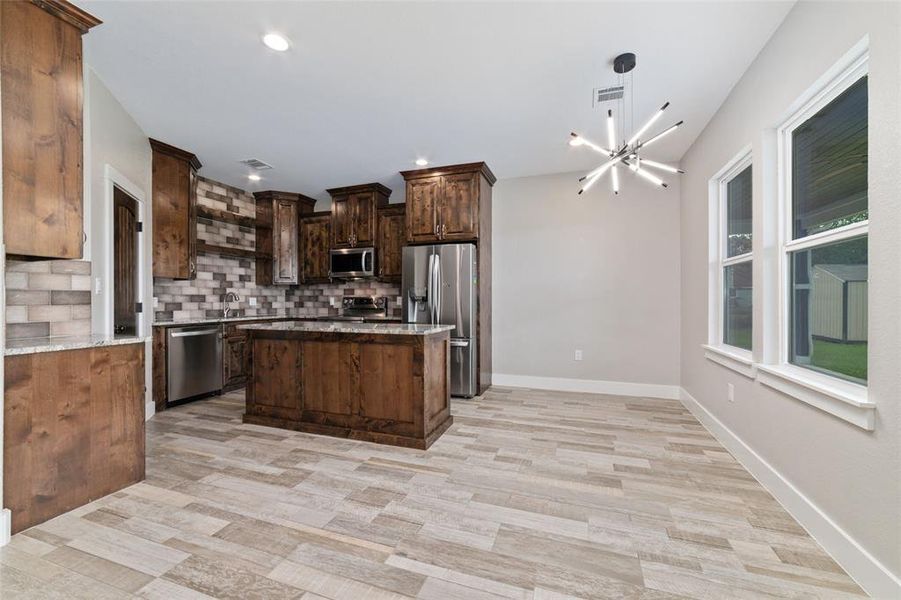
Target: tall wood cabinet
point(278, 236)
point(42, 105)
point(354, 211)
point(174, 192)
point(392, 237)
point(453, 204)
point(315, 232)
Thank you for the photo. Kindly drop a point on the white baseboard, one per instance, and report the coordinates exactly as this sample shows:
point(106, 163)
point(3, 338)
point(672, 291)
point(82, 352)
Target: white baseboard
point(6, 526)
point(149, 410)
point(863, 567)
point(591, 386)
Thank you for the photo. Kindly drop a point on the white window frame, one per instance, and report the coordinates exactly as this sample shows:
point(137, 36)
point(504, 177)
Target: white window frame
point(833, 394)
point(733, 357)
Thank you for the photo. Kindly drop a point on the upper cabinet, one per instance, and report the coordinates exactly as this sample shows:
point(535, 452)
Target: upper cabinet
point(42, 104)
point(278, 236)
point(354, 211)
point(314, 246)
point(392, 237)
point(174, 191)
point(443, 203)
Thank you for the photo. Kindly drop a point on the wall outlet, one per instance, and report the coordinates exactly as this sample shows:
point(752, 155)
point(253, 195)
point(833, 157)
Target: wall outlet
point(400, 300)
point(98, 285)
point(332, 301)
point(731, 391)
point(252, 301)
point(578, 355)
point(156, 302)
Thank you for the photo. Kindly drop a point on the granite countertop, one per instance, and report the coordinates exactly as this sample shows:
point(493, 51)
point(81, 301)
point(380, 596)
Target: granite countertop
point(351, 327)
point(68, 342)
point(223, 320)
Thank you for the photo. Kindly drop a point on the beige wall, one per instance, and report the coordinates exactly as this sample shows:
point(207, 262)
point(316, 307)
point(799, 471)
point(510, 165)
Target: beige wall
point(850, 475)
point(113, 138)
point(596, 272)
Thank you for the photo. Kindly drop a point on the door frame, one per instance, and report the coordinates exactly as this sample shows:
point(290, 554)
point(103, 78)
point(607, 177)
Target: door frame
point(113, 178)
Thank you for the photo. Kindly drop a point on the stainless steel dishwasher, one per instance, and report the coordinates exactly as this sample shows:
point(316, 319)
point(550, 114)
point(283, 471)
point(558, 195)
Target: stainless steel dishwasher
point(194, 361)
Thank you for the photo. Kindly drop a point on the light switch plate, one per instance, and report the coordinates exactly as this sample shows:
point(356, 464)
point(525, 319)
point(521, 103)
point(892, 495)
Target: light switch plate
point(252, 301)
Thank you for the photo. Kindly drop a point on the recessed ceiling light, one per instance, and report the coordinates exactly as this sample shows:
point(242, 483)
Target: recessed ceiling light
point(253, 177)
point(421, 162)
point(277, 42)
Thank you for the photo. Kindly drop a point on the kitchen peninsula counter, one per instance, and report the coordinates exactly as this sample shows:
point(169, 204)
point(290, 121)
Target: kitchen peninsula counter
point(380, 382)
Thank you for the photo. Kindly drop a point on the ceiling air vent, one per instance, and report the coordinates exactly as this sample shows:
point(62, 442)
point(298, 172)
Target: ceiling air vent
point(607, 94)
point(256, 163)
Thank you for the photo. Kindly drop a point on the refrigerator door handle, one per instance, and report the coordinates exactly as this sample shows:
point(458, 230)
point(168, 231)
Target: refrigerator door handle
point(430, 292)
point(438, 291)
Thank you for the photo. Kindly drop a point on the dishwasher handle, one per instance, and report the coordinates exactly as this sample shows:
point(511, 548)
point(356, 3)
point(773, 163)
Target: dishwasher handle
point(176, 334)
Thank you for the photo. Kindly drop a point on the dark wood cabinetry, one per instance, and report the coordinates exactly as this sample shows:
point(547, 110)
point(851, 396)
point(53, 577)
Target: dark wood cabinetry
point(448, 204)
point(174, 191)
point(235, 358)
point(453, 204)
point(42, 107)
point(392, 236)
point(390, 389)
point(314, 247)
point(354, 210)
point(278, 236)
point(73, 429)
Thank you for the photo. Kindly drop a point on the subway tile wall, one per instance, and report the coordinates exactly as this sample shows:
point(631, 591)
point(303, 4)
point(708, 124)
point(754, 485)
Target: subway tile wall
point(49, 297)
point(218, 275)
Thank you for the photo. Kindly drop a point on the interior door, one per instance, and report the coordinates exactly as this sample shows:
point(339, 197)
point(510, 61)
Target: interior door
point(459, 213)
point(125, 263)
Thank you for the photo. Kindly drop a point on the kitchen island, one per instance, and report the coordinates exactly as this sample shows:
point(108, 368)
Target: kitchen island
point(380, 382)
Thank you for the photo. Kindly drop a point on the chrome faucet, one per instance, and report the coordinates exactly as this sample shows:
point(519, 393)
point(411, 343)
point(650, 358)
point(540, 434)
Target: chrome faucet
point(226, 308)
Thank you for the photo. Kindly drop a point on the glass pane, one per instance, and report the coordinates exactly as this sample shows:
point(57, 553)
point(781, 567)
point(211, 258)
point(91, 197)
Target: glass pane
point(737, 305)
point(829, 309)
point(738, 214)
point(829, 165)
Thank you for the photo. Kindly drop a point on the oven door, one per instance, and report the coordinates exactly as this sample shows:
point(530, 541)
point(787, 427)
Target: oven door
point(352, 263)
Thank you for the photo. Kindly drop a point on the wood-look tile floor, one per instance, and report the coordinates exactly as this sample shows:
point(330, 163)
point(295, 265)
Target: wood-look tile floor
point(529, 495)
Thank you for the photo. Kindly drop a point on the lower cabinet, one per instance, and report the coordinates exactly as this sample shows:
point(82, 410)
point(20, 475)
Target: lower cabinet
point(73, 429)
point(235, 361)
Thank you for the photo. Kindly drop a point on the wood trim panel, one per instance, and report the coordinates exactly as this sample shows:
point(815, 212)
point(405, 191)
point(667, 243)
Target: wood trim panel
point(68, 12)
point(481, 167)
point(73, 430)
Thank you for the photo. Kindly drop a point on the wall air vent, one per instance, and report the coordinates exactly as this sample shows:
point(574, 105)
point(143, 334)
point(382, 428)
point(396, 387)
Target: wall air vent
point(255, 163)
point(607, 94)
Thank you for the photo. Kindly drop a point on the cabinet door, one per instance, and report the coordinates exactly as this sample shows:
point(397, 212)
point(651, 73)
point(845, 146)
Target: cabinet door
point(422, 209)
point(342, 221)
point(314, 248)
point(364, 219)
point(173, 207)
point(234, 363)
point(41, 62)
point(458, 209)
point(392, 237)
point(285, 266)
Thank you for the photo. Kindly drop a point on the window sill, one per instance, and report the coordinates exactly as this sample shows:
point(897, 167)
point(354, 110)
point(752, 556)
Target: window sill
point(843, 399)
point(736, 359)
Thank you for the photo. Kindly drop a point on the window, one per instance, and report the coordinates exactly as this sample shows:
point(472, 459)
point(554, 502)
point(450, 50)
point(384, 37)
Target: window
point(731, 277)
point(825, 252)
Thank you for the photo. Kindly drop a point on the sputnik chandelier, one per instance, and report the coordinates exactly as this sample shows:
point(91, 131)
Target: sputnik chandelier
point(629, 153)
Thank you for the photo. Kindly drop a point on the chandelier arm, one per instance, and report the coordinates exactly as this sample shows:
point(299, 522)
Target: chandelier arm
point(661, 166)
point(647, 125)
point(666, 131)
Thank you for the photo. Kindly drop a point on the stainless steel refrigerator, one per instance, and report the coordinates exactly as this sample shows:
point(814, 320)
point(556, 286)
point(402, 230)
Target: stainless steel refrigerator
point(439, 287)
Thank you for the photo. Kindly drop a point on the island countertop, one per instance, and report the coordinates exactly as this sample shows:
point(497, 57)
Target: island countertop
point(350, 327)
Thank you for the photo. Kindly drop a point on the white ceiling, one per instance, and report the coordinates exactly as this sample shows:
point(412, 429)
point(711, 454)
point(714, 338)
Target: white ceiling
point(369, 87)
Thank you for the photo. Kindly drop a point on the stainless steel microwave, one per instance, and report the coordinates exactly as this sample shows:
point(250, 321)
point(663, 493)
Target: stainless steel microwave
point(352, 263)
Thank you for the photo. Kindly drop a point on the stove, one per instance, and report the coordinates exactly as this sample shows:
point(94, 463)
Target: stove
point(360, 309)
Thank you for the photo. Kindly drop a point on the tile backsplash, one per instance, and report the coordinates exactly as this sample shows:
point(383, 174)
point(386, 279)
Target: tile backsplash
point(218, 275)
point(50, 297)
